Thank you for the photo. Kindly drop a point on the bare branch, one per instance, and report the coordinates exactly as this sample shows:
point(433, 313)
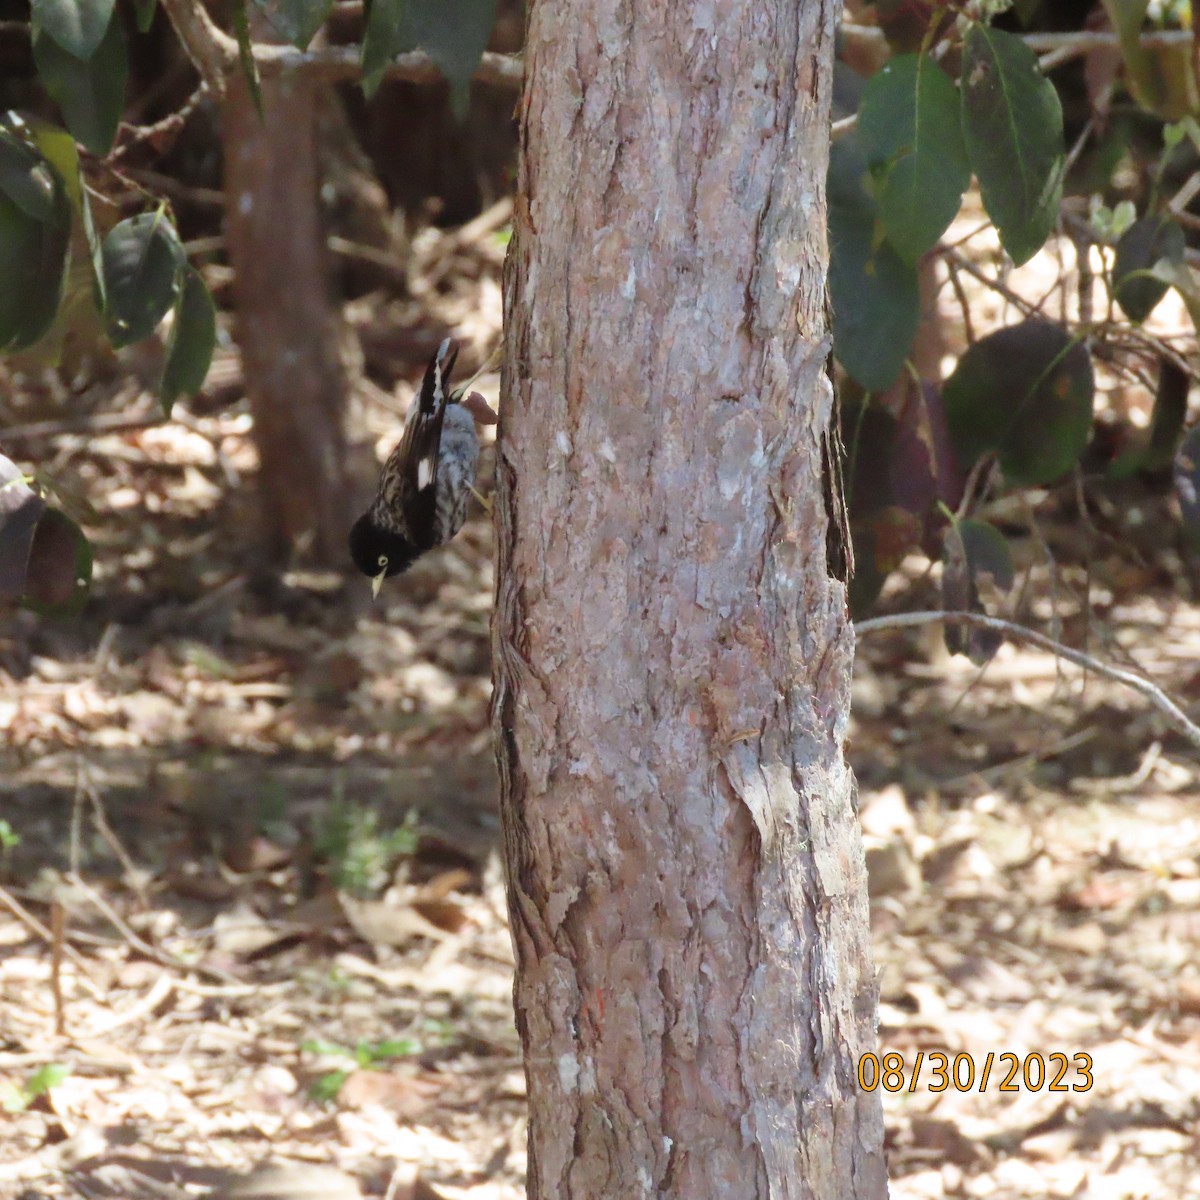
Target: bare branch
point(214, 54)
point(1165, 705)
point(1070, 45)
point(335, 63)
point(963, 263)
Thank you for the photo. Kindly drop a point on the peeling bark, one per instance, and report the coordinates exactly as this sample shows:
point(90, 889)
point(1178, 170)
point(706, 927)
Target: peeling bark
point(686, 880)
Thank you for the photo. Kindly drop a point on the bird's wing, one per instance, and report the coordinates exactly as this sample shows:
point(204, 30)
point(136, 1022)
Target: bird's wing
point(412, 469)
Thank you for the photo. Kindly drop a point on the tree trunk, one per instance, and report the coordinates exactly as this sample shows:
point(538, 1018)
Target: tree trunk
point(686, 880)
point(286, 326)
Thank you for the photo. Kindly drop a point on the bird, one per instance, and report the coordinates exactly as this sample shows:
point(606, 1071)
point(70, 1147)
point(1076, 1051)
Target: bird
point(428, 479)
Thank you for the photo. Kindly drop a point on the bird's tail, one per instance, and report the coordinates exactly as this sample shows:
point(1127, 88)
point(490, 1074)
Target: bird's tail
point(437, 377)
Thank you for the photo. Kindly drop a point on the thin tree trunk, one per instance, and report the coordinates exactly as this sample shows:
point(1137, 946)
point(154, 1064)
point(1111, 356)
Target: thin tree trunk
point(687, 890)
point(286, 326)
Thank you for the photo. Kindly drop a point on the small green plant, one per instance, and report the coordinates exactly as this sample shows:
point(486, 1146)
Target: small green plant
point(10, 839)
point(18, 1099)
point(359, 855)
point(367, 1056)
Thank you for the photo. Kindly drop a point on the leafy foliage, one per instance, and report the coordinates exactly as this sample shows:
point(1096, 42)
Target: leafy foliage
point(1141, 247)
point(1023, 393)
point(297, 21)
point(193, 336)
point(972, 552)
point(386, 34)
point(1012, 123)
point(964, 98)
point(35, 231)
point(366, 1056)
point(360, 855)
point(241, 28)
point(78, 26)
point(89, 91)
point(141, 260)
point(45, 560)
point(454, 33)
point(872, 289)
point(18, 1099)
point(911, 134)
point(138, 268)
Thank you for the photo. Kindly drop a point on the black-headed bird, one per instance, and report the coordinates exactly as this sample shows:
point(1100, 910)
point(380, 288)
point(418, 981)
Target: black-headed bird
point(428, 478)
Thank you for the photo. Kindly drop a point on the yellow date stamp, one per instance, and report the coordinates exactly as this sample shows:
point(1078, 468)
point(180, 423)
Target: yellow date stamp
point(1006, 1072)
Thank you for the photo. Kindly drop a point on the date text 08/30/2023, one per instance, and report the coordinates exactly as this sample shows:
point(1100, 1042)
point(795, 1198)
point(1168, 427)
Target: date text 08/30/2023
point(1007, 1072)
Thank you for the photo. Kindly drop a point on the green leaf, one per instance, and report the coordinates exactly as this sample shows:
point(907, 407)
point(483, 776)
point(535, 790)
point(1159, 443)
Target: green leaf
point(241, 27)
point(1012, 123)
point(386, 34)
point(910, 130)
point(20, 510)
point(60, 567)
point(296, 21)
point(1183, 279)
point(1142, 246)
point(880, 543)
point(27, 178)
point(393, 1048)
point(35, 243)
point(56, 146)
point(1160, 76)
point(141, 260)
point(193, 337)
point(89, 92)
point(325, 1088)
point(454, 33)
point(1025, 393)
point(78, 26)
point(144, 14)
point(45, 1078)
point(873, 291)
point(1168, 417)
point(96, 253)
point(972, 550)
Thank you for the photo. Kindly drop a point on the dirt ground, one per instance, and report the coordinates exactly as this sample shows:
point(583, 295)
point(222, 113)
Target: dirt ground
point(189, 1006)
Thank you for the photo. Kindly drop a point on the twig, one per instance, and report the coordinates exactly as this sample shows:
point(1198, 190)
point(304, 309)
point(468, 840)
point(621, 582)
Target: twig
point(215, 55)
point(336, 63)
point(212, 53)
point(56, 958)
point(963, 303)
point(1071, 45)
point(1043, 43)
point(846, 125)
point(961, 261)
point(31, 922)
point(1152, 692)
point(37, 430)
point(85, 788)
point(170, 125)
point(1186, 194)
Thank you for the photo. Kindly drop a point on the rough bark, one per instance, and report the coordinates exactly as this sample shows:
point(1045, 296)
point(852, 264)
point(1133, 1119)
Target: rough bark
point(286, 326)
point(687, 890)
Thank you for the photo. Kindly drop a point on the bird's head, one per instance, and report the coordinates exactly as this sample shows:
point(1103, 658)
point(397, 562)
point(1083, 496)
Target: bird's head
point(378, 552)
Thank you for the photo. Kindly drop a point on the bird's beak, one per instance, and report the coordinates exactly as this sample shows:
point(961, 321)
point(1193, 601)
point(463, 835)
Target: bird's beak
point(377, 583)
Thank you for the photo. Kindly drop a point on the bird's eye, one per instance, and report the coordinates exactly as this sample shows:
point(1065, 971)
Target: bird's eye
point(383, 562)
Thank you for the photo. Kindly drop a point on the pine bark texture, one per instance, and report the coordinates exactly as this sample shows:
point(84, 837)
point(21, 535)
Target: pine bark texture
point(687, 889)
point(286, 327)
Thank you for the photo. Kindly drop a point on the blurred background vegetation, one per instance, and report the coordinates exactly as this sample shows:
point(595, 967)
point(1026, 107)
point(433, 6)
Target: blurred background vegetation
point(247, 821)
